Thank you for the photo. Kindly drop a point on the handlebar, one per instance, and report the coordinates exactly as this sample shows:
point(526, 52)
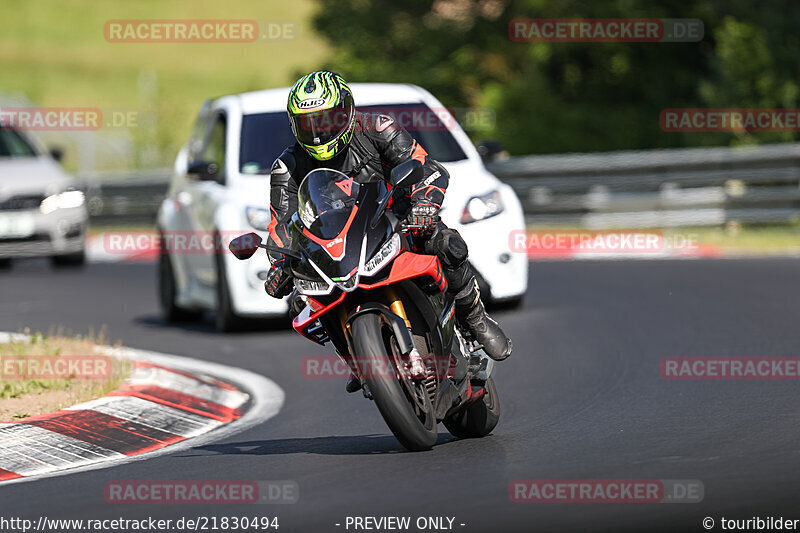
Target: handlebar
point(416, 229)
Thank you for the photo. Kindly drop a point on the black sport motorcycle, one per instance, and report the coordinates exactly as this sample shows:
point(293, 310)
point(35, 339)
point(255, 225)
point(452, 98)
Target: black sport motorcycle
point(384, 307)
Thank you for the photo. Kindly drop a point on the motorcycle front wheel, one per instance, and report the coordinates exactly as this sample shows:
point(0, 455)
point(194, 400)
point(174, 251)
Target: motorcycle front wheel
point(407, 410)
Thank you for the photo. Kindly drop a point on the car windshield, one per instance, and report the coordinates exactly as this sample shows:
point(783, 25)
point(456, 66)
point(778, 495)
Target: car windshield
point(325, 200)
point(266, 135)
point(12, 144)
point(429, 127)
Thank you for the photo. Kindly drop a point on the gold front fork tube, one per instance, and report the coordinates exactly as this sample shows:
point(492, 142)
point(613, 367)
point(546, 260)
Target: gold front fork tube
point(398, 309)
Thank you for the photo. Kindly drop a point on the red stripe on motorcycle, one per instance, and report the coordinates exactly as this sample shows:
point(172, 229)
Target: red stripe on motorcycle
point(409, 265)
point(334, 247)
point(306, 317)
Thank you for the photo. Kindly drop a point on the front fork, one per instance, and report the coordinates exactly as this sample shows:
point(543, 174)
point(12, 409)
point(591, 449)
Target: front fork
point(395, 316)
point(417, 368)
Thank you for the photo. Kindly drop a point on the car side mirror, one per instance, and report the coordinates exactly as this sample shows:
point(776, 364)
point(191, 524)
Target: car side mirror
point(57, 154)
point(203, 171)
point(406, 174)
point(491, 151)
point(244, 246)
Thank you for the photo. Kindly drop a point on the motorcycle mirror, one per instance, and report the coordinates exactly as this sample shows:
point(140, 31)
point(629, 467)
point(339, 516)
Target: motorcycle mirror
point(244, 246)
point(403, 175)
point(407, 173)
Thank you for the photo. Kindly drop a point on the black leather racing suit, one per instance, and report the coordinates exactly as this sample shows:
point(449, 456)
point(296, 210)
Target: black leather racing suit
point(377, 146)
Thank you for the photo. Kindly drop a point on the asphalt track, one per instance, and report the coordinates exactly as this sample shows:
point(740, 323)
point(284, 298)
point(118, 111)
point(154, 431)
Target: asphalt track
point(582, 398)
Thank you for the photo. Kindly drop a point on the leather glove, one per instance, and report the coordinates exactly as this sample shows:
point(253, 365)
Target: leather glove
point(279, 282)
point(423, 214)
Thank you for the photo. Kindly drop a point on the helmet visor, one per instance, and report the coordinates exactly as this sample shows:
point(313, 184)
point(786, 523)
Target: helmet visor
point(321, 127)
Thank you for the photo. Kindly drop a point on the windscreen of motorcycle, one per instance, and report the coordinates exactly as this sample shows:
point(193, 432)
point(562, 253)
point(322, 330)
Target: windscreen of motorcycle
point(325, 199)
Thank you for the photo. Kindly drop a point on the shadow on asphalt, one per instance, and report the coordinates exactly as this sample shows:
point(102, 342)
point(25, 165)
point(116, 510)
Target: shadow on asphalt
point(332, 445)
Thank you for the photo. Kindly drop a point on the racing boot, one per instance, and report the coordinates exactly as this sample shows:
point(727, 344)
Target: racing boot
point(471, 314)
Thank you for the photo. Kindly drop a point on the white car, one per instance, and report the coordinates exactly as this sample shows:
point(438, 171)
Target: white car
point(220, 187)
point(41, 211)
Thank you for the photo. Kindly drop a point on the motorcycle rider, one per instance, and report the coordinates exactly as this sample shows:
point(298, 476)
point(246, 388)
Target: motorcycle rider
point(330, 133)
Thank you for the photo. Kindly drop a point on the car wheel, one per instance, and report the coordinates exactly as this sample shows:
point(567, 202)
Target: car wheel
point(226, 320)
point(166, 294)
point(77, 259)
point(5, 263)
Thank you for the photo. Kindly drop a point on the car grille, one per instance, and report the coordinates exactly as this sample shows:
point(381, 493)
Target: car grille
point(18, 203)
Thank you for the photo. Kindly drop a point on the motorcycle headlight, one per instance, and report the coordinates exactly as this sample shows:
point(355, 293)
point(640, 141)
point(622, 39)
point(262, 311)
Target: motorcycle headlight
point(482, 207)
point(63, 200)
point(383, 256)
point(312, 288)
point(349, 284)
point(258, 217)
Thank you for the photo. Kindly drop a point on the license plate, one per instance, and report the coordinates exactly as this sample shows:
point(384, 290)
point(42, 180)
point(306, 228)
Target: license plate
point(16, 226)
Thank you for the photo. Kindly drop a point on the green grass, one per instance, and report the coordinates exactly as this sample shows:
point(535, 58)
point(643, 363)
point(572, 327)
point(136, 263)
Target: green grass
point(55, 53)
point(734, 238)
point(25, 396)
point(53, 347)
point(772, 239)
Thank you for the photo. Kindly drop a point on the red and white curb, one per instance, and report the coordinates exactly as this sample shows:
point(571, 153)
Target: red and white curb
point(168, 403)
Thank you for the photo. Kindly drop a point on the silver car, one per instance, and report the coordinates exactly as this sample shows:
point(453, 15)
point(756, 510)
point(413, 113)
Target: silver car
point(41, 211)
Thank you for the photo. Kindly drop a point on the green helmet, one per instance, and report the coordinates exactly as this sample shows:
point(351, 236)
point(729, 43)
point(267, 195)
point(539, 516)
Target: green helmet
point(322, 113)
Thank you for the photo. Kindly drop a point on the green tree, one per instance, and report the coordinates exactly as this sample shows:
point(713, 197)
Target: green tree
point(556, 97)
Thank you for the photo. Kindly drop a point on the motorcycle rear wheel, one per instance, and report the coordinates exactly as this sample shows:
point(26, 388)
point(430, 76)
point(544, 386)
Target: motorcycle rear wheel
point(373, 352)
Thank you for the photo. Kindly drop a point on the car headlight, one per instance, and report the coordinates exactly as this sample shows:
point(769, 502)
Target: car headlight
point(63, 200)
point(312, 288)
point(482, 207)
point(258, 217)
point(383, 256)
